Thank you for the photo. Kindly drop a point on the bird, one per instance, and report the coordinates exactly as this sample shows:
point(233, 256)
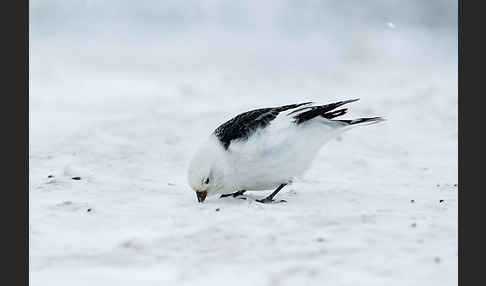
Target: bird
point(266, 148)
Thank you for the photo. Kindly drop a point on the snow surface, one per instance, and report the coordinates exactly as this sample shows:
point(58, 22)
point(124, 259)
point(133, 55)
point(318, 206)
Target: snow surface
point(126, 116)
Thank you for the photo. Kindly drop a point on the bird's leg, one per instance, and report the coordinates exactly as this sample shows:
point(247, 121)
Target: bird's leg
point(239, 193)
point(269, 199)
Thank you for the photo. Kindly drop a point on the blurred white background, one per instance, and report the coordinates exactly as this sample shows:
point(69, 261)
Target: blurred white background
point(121, 93)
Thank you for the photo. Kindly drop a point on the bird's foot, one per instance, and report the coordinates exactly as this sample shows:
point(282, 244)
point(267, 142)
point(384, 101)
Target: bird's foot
point(234, 195)
point(270, 201)
point(225, 195)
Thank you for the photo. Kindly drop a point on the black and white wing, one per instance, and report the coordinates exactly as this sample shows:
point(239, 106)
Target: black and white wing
point(242, 126)
point(245, 124)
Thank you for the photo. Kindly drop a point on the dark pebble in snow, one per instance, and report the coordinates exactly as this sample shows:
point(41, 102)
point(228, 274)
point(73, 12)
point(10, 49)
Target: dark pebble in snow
point(441, 201)
point(88, 210)
point(413, 224)
point(412, 201)
point(76, 178)
point(455, 185)
point(437, 260)
point(217, 209)
point(320, 239)
point(50, 176)
point(438, 185)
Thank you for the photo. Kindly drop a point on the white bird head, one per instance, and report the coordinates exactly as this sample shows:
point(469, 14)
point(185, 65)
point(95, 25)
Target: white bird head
point(206, 171)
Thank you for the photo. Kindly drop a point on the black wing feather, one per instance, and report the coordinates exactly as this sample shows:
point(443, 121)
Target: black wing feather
point(245, 124)
point(327, 111)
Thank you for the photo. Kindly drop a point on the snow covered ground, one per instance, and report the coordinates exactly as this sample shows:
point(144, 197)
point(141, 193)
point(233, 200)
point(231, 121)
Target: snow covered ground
point(125, 110)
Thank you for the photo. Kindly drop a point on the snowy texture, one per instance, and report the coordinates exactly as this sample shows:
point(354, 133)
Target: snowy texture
point(121, 98)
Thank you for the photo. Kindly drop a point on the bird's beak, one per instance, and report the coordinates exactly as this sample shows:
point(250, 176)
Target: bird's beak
point(201, 196)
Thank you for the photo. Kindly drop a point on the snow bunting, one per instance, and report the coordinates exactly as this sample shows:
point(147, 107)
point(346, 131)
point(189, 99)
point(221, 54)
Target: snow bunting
point(266, 148)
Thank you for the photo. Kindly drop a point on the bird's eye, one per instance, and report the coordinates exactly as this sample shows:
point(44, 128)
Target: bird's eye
point(206, 181)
